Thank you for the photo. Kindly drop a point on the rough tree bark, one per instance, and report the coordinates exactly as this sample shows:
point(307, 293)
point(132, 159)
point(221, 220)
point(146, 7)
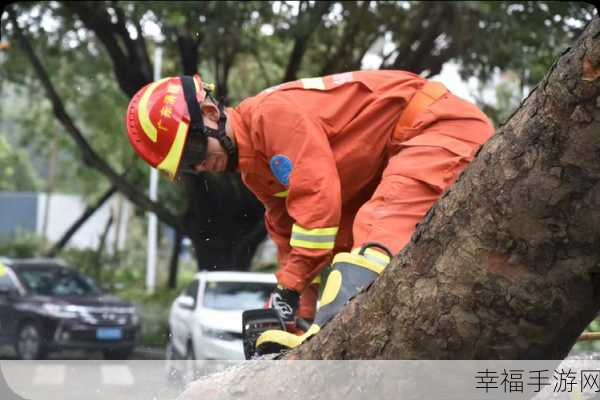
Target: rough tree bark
point(506, 265)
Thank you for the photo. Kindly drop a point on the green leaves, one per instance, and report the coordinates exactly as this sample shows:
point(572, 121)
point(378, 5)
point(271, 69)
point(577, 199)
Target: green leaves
point(16, 170)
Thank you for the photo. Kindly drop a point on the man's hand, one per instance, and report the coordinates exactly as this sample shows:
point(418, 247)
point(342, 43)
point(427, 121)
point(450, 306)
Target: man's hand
point(286, 302)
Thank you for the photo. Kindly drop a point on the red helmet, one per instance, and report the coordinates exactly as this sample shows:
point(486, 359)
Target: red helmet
point(158, 122)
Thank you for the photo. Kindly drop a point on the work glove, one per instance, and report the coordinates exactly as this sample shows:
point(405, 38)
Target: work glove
point(285, 302)
point(308, 301)
point(351, 274)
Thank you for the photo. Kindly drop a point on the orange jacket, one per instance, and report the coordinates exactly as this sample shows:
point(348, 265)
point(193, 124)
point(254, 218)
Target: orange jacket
point(313, 152)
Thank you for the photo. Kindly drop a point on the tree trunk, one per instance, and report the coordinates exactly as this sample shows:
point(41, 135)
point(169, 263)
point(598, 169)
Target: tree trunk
point(507, 264)
point(98, 259)
point(188, 51)
point(309, 19)
point(221, 214)
point(174, 262)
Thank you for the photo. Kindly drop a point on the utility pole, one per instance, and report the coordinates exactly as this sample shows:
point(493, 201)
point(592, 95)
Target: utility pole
point(153, 194)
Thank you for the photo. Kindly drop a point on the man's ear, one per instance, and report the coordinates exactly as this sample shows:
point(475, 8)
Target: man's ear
point(210, 110)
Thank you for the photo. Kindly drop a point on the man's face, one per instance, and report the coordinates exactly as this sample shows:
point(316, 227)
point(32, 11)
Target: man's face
point(216, 157)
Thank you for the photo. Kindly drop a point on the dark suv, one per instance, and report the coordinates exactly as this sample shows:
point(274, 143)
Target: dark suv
point(46, 306)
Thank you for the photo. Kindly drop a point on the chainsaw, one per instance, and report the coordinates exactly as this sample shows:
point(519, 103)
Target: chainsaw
point(257, 321)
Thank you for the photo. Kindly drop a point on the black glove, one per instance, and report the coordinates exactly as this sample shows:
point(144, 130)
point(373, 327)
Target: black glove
point(286, 302)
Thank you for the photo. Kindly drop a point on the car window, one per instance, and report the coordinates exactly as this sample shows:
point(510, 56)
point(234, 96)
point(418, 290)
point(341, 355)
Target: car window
point(192, 290)
point(56, 282)
point(236, 295)
point(6, 282)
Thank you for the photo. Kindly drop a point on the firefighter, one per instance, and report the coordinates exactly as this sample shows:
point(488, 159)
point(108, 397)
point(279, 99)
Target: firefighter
point(346, 165)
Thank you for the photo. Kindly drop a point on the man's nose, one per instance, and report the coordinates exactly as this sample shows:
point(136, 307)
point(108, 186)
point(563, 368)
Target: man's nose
point(200, 167)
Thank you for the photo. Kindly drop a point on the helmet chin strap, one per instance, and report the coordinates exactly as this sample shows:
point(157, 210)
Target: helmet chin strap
point(220, 134)
point(197, 123)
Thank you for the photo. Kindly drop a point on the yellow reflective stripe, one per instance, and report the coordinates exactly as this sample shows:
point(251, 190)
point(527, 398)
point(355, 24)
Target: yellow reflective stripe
point(286, 339)
point(313, 330)
point(282, 338)
point(171, 161)
point(359, 260)
point(332, 288)
point(316, 281)
point(316, 231)
point(312, 245)
point(318, 238)
point(144, 115)
point(313, 83)
point(374, 255)
point(281, 194)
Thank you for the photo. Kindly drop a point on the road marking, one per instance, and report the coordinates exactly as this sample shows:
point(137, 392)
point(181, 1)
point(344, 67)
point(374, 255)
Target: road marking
point(116, 375)
point(49, 374)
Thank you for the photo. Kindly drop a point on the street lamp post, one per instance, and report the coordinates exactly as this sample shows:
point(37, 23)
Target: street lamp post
point(153, 193)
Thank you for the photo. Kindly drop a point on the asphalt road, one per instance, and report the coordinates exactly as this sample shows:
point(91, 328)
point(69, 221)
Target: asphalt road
point(140, 353)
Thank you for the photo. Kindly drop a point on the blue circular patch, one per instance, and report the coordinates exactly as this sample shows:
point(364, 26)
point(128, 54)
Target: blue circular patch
point(281, 167)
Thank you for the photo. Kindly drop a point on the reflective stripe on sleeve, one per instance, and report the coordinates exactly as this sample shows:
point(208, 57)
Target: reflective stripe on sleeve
point(318, 238)
point(313, 83)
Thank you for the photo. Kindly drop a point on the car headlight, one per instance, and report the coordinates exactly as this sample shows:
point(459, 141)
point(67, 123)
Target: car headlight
point(61, 311)
point(218, 334)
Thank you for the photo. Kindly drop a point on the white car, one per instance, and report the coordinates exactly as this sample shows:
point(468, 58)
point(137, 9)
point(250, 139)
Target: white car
point(205, 320)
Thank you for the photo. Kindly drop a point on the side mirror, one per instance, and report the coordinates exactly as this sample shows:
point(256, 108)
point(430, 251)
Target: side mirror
point(186, 302)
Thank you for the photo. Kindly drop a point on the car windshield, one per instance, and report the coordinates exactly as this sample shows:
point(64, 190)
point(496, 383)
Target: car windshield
point(236, 295)
point(56, 281)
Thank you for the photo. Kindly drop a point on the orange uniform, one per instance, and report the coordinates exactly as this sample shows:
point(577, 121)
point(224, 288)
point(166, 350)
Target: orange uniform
point(335, 169)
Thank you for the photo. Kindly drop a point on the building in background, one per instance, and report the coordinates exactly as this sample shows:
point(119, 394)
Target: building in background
point(51, 217)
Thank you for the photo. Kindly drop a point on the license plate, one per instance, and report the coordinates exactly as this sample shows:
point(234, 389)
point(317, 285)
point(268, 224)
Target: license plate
point(109, 333)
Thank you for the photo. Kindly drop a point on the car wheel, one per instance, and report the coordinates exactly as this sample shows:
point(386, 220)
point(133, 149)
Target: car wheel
point(117, 354)
point(29, 343)
point(190, 373)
